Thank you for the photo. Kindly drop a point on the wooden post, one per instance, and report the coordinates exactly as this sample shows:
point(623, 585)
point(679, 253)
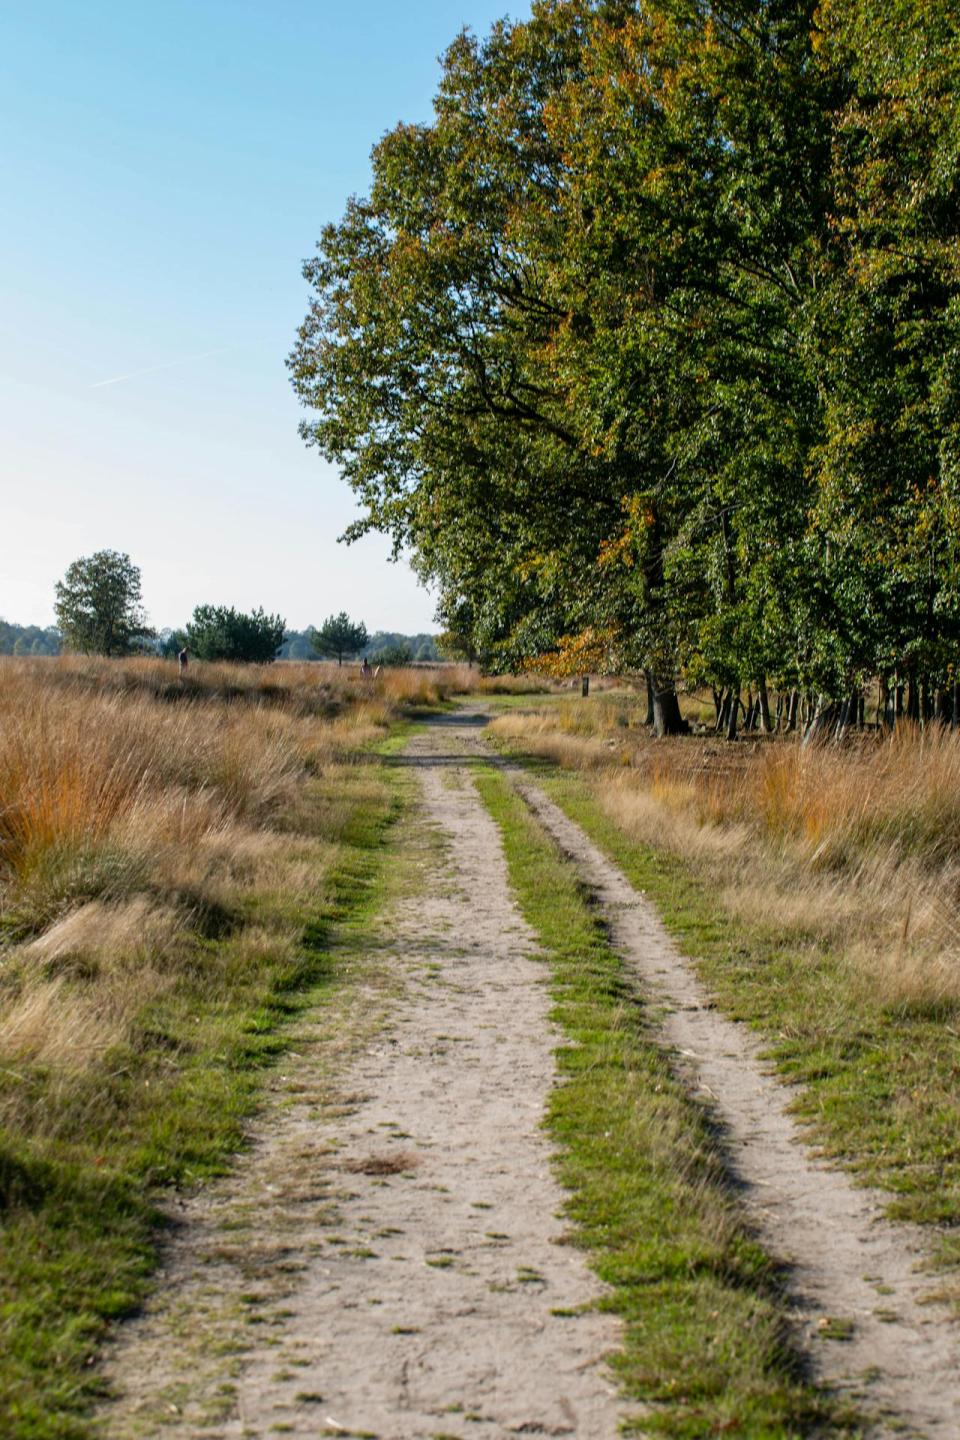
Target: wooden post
point(585, 686)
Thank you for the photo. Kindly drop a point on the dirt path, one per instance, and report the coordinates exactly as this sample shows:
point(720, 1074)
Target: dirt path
point(390, 1265)
point(854, 1274)
point(385, 1262)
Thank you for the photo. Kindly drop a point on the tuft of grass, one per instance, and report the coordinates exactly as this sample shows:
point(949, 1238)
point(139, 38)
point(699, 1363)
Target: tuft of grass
point(706, 1344)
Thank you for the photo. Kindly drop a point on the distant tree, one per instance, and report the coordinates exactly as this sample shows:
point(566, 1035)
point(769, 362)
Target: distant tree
point(297, 645)
point(98, 605)
point(36, 641)
point(392, 655)
point(170, 643)
point(339, 636)
point(218, 632)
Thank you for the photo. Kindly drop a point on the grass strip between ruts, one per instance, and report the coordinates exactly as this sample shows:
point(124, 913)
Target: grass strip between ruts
point(78, 1227)
point(705, 1342)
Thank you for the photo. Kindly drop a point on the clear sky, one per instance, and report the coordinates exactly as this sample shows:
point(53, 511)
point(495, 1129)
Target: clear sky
point(165, 169)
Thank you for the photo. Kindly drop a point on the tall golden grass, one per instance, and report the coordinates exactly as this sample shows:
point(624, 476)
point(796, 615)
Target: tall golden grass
point(853, 848)
point(139, 813)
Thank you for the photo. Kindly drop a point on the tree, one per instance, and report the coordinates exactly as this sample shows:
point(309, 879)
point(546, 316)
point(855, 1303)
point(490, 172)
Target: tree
point(339, 636)
point(297, 646)
point(98, 605)
point(219, 632)
point(392, 655)
point(649, 341)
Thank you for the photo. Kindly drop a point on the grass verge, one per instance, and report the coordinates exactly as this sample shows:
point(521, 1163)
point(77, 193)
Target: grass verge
point(79, 1194)
point(705, 1347)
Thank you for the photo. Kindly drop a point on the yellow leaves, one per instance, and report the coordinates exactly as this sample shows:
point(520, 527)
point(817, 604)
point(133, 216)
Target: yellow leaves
point(616, 552)
point(581, 654)
point(621, 549)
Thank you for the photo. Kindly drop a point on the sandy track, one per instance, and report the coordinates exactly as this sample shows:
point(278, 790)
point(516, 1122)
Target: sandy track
point(847, 1262)
point(400, 1252)
point(415, 1235)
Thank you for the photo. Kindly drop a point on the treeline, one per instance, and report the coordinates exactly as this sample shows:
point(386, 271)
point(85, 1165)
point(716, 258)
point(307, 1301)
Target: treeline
point(648, 346)
point(382, 645)
point(28, 639)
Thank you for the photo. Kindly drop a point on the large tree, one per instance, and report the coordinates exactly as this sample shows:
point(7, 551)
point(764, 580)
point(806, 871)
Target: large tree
point(98, 605)
point(425, 353)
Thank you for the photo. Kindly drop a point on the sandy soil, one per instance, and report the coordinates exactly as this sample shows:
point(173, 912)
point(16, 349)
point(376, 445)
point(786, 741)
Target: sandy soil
point(393, 1264)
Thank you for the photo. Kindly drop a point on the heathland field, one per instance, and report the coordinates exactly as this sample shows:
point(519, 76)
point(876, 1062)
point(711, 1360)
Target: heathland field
point(435, 1056)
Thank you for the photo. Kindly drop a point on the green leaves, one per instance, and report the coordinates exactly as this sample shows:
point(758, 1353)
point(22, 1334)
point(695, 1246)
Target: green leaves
point(339, 636)
point(218, 632)
point(98, 606)
point(704, 254)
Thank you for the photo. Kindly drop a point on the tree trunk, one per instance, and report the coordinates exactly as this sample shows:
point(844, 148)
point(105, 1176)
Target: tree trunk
point(667, 719)
point(764, 700)
point(849, 713)
point(649, 717)
point(842, 718)
point(861, 711)
point(792, 709)
point(824, 719)
point(734, 715)
point(584, 686)
point(748, 711)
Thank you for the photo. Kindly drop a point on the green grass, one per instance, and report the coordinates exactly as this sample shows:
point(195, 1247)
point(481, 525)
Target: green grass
point(705, 1341)
point(78, 1203)
point(879, 1083)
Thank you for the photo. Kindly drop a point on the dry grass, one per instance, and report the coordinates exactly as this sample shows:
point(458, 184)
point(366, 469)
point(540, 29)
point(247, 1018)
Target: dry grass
point(172, 858)
point(855, 849)
point(138, 816)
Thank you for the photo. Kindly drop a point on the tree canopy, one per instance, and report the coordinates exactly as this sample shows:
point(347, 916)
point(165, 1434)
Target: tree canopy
point(219, 632)
point(339, 636)
point(646, 345)
point(98, 605)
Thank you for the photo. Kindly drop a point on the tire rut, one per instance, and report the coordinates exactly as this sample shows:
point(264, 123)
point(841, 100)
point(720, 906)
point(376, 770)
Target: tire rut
point(861, 1302)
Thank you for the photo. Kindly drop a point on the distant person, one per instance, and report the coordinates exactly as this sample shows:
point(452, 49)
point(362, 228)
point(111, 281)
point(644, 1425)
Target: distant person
point(182, 662)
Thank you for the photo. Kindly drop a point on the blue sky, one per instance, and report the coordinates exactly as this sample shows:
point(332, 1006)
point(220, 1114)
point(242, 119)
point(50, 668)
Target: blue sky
point(165, 169)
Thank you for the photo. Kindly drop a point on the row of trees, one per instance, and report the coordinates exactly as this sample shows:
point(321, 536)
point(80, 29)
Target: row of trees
point(648, 345)
point(99, 611)
point(382, 647)
point(28, 639)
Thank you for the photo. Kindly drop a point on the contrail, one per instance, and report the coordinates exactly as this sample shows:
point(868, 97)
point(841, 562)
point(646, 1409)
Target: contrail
point(151, 369)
